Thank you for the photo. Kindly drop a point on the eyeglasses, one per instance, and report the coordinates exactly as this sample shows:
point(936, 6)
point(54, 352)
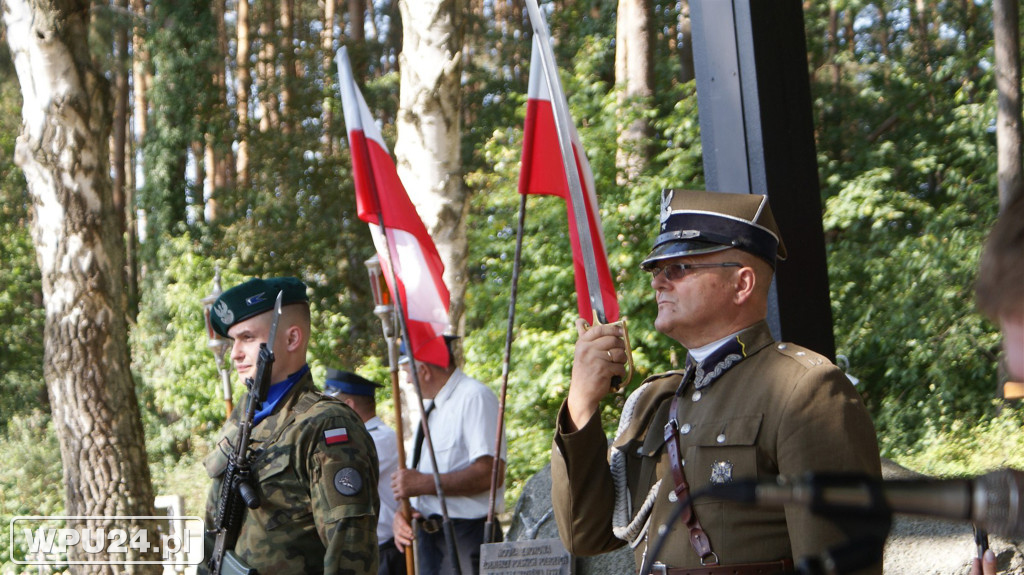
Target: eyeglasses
point(674, 272)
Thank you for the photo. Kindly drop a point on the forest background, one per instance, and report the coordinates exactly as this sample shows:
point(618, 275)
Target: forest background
point(904, 107)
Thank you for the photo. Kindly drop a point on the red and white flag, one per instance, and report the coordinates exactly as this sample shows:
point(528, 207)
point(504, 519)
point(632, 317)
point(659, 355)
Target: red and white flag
point(398, 233)
point(336, 436)
point(542, 172)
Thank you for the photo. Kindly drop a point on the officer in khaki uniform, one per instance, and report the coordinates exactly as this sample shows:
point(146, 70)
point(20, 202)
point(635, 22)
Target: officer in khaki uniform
point(316, 466)
point(743, 407)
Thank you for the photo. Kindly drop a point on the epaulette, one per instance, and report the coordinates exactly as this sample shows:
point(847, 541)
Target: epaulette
point(801, 354)
point(307, 401)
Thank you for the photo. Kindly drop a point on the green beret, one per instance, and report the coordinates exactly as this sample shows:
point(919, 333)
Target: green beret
point(252, 298)
point(697, 222)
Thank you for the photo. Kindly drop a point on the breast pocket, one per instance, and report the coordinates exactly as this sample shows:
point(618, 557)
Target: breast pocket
point(217, 460)
point(724, 453)
point(283, 496)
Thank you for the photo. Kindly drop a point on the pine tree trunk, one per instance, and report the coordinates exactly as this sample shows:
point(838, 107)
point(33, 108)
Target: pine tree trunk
point(141, 80)
point(243, 84)
point(685, 49)
point(120, 126)
point(63, 151)
point(635, 78)
point(216, 153)
point(326, 62)
point(429, 130)
point(288, 75)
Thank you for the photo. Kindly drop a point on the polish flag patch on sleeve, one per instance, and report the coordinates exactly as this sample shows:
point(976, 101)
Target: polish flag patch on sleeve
point(335, 436)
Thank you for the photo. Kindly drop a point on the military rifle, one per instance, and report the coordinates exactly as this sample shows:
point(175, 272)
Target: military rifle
point(236, 490)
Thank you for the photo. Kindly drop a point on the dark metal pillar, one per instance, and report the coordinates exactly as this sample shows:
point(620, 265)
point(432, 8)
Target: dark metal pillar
point(753, 96)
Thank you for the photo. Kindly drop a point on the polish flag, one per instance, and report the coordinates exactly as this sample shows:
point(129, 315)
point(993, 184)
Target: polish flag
point(336, 435)
point(542, 172)
point(398, 233)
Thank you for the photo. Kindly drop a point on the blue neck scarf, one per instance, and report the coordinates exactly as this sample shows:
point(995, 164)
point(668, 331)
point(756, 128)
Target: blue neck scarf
point(277, 392)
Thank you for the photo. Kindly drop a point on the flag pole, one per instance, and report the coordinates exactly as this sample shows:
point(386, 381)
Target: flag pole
point(489, 525)
point(386, 313)
point(449, 532)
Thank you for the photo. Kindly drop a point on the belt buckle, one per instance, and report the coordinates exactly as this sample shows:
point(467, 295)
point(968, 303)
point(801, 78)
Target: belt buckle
point(659, 568)
point(431, 525)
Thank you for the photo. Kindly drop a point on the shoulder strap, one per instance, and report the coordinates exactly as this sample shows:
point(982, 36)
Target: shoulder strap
point(698, 538)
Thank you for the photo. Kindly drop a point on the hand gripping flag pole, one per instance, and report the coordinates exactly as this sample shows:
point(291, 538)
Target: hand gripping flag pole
point(385, 310)
point(551, 110)
point(401, 247)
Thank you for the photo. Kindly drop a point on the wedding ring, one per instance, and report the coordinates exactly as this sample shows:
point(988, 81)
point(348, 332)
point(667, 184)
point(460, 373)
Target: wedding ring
point(609, 352)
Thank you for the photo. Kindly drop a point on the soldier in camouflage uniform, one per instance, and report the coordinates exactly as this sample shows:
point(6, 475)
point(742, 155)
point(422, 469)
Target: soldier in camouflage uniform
point(316, 466)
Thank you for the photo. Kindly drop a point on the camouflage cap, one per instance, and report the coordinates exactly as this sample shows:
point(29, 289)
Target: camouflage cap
point(341, 381)
point(698, 222)
point(252, 298)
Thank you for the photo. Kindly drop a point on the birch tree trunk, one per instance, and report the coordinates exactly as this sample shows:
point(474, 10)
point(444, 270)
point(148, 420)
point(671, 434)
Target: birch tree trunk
point(1006, 18)
point(63, 151)
point(429, 130)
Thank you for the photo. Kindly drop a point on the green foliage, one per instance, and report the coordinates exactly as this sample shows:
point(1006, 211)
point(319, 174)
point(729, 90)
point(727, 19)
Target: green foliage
point(32, 482)
point(181, 37)
point(21, 313)
point(966, 448)
point(906, 216)
point(178, 382)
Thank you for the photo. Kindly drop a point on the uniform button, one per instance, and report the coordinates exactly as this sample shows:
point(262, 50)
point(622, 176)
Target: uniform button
point(801, 353)
point(720, 438)
point(685, 428)
point(696, 396)
point(782, 346)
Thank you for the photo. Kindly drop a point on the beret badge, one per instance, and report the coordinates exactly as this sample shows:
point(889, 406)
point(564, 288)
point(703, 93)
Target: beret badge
point(224, 313)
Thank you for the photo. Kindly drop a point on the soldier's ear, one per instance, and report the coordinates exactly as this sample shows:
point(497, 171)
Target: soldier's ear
point(294, 338)
point(745, 284)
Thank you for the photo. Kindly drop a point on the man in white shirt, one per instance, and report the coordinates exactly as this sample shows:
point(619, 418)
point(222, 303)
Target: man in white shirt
point(359, 394)
point(462, 415)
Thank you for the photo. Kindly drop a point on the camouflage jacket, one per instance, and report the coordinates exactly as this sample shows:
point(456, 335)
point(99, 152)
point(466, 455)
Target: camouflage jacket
point(317, 481)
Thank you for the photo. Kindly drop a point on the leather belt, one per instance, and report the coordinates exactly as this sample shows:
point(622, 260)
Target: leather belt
point(781, 567)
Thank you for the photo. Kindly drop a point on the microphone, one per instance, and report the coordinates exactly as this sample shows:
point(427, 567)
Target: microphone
point(993, 501)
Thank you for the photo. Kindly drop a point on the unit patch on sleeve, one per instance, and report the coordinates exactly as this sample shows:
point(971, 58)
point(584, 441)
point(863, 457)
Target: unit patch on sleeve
point(347, 481)
point(336, 436)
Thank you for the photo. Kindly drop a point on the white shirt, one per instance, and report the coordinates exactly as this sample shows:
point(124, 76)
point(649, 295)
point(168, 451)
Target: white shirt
point(463, 427)
point(386, 442)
